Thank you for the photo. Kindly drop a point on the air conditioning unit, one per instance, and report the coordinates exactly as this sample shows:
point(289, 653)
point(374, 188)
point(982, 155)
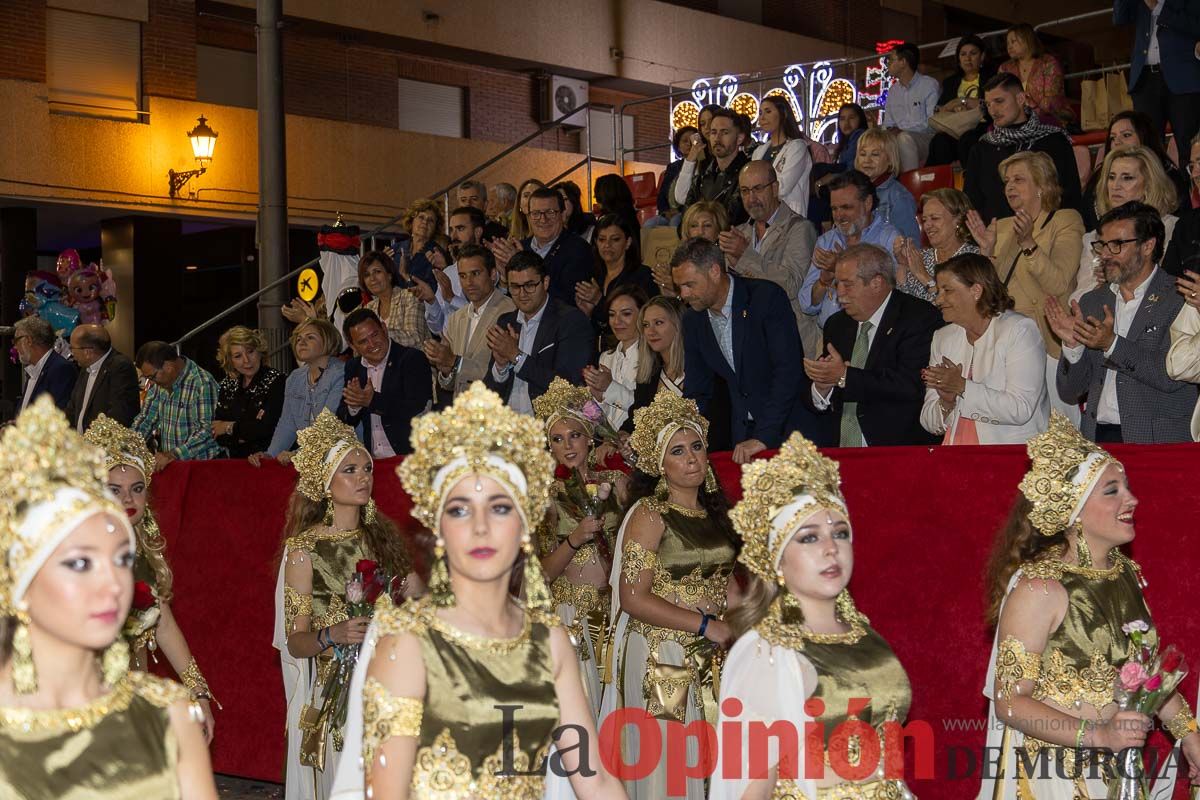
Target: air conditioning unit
point(561, 95)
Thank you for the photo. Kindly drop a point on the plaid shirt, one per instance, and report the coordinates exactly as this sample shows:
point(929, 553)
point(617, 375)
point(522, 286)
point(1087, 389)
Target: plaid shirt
point(182, 415)
point(406, 318)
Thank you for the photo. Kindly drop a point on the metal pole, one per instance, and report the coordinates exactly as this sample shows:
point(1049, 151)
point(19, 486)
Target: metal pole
point(272, 172)
point(587, 133)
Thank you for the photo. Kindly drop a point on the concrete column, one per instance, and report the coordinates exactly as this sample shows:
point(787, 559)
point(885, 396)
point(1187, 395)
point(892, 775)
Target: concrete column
point(18, 255)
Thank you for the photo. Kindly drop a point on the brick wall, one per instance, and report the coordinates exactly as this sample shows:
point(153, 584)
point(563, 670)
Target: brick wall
point(23, 40)
point(169, 49)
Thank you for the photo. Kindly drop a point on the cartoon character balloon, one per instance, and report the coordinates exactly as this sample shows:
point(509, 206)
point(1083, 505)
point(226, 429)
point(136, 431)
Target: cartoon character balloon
point(44, 298)
point(91, 290)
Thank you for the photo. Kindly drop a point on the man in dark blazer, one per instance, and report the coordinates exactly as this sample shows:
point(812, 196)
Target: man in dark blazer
point(741, 330)
point(1115, 344)
point(567, 257)
point(869, 379)
point(386, 386)
point(107, 382)
point(46, 372)
point(543, 339)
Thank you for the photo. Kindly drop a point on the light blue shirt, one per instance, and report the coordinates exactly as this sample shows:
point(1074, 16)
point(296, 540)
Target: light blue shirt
point(439, 311)
point(542, 251)
point(896, 205)
point(910, 107)
point(518, 398)
point(302, 402)
point(722, 326)
point(879, 233)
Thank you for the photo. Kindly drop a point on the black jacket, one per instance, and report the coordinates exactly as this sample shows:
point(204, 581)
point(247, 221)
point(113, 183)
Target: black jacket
point(254, 411)
point(569, 262)
point(721, 186)
point(981, 181)
point(114, 394)
point(563, 345)
point(1183, 251)
point(57, 379)
point(406, 392)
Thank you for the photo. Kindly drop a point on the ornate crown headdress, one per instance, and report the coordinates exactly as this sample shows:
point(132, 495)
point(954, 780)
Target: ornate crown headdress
point(563, 400)
point(323, 445)
point(655, 424)
point(122, 446)
point(1065, 468)
point(776, 494)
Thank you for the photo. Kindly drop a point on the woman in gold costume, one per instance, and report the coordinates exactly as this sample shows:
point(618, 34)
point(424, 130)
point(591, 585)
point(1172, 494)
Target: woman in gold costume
point(575, 546)
point(674, 555)
point(75, 723)
point(332, 524)
point(802, 645)
point(130, 468)
point(1060, 592)
point(468, 682)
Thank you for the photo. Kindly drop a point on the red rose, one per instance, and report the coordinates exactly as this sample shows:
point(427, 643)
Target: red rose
point(374, 589)
point(1172, 660)
point(1145, 659)
point(366, 567)
point(143, 596)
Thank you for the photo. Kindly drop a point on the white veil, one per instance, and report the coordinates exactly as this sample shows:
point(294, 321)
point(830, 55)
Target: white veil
point(299, 780)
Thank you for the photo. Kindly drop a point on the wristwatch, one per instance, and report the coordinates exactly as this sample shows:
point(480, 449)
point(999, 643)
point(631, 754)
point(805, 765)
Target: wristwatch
point(1030, 251)
point(841, 382)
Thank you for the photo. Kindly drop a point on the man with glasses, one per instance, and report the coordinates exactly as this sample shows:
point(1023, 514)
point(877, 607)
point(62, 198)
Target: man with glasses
point(1116, 338)
point(46, 372)
point(543, 339)
point(776, 244)
point(567, 257)
point(107, 382)
point(179, 405)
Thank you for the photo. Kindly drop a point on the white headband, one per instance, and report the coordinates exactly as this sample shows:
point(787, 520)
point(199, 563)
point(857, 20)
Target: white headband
point(784, 524)
point(506, 473)
point(339, 451)
point(660, 441)
point(1087, 476)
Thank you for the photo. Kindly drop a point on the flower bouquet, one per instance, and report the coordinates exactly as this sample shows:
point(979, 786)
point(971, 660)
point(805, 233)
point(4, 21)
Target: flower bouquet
point(1145, 682)
point(589, 499)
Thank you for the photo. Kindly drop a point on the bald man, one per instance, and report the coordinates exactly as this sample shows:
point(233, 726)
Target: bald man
point(107, 382)
point(776, 244)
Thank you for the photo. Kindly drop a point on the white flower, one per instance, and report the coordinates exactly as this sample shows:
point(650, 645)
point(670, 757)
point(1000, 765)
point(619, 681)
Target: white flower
point(1136, 625)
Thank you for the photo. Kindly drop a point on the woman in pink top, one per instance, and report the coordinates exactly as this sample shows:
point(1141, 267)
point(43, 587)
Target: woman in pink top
point(1040, 74)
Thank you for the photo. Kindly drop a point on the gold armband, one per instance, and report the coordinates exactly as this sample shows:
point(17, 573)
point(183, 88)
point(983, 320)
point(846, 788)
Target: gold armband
point(385, 716)
point(1013, 665)
point(295, 605)
point(635, 559)
point(1183, 724)
point(194, 681)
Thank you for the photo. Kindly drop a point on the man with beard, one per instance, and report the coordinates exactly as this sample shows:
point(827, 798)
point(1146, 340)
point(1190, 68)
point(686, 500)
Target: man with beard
point(718, 179)
point(466, 228)
point(1116, 337)
point(853, 202)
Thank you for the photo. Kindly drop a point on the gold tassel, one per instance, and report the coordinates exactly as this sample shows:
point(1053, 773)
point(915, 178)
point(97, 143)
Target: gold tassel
point(710, 481)
point(536, 594)
point(440, 592)
point(115, 662)
point(1084, 553)
point(790, 612)
point(845, 607)
point(328, 520)
point(369, 515)
point(661, 488)
point(23, 673)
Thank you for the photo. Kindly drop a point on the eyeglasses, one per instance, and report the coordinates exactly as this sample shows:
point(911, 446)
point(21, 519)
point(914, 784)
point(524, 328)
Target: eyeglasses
point(1112, 246)
point(543, 214)
point(524, 288)
point(746, 191)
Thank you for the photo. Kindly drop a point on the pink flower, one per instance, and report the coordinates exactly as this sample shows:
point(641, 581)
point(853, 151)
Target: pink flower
point(354, 591)
point(604, 490)
point(1154, 684)
point(592, 412)
point(1133, 675)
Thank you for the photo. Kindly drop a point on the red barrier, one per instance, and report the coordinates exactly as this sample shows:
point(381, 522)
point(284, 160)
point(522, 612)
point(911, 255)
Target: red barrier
point(923, 521)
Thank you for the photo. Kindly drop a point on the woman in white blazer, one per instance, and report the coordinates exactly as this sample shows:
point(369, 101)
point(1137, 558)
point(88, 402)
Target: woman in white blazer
point(787, 150)
point(986, 380)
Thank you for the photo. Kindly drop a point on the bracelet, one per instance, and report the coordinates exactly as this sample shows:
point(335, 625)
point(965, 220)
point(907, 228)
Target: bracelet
point(573, 547)
point(195, 683)
point(1183, 724)
point(704, 618)
point(1081, 733)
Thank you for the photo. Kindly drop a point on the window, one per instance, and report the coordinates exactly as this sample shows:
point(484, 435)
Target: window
point(433, 108)
point(226, 77)
point(93, 64)
point(600, 126)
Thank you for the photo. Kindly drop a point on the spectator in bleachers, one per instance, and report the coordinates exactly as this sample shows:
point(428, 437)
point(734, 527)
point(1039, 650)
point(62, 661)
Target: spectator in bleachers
point(1115, 345)
point(745, 127)
point(614, 381)
point(1131, 129)
point(46, 372)
point(474, 194)
point(502, 201)
point(617, 259)
point(1164, 75)
point(852, 196)
point(1036, 250)
point(401, 310)
point(717, 179)
point(786, 149)
point(1130, 173)
point(314, 385)
point(423, 221)
point(178, 410)
point(986, 380)
point(775, 245)
point(1183, 359)
point(1040, 74)
point(668, 209)
point(1193, 171)
point(944, 222)
point(575, 219)
point(851, 123)
point(705, 219)
point(879, 159)
point(386, 386)
point(1013, 130)
point(467, 226)
point(250, 399)
point(107, 382)
point(661, 357)
point(519, 228)
point(1183, 252)
point(567, 257)
point(911, 101)
point(962, 90)
point(612, 196)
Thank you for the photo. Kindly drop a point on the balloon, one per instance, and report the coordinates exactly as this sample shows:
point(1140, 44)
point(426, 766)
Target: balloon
point(61, 317)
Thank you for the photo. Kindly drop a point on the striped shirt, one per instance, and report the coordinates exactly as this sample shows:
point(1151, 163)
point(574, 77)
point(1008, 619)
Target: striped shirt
point(182, 416)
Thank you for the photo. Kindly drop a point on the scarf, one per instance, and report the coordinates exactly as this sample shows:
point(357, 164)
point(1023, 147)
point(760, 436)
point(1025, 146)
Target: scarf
point(1021, 136)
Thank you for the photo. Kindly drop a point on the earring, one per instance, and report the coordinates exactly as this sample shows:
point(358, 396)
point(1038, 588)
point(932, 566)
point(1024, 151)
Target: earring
point(1084, 553)
point(328, 520)
point(536, 594)
point(710, 481)
point(661, 489)
point(115, 662)
point(369, 515)
point(790, 612)
point(439, 577)
point(23, 673)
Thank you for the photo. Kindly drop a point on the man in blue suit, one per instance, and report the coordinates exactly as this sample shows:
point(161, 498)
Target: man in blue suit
point(1164, 73)
point(46, 372)
point(568, 258)
point(742, 330)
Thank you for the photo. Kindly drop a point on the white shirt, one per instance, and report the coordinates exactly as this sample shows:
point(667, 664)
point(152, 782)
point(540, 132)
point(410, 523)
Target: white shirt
point(518, 398)
point(822, 402)
point(622, 362)
point(34, 371)
point(380, 446)
point(722, 326)
point(1107, 410)
point(92, 372)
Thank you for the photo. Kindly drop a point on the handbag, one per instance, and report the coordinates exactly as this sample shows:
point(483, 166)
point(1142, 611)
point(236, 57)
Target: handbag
point(956, 123)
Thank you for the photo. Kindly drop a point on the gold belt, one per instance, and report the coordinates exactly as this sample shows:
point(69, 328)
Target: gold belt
point(591, 604)
point(665, 686)
point(879, 789)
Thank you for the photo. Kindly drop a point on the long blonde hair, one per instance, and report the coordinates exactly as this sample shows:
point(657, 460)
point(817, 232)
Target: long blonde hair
point(757, 598)
point(153, 547)
point(384, 540)
point(648, 360)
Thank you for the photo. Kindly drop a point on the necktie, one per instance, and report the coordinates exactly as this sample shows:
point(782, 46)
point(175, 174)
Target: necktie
point(851, 434)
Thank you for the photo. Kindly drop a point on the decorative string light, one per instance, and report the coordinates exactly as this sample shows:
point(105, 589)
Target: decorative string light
point(685, 114)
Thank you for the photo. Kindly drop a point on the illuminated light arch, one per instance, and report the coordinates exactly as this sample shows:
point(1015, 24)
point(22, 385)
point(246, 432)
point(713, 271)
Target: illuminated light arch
point(685, 114)
point(745, 103)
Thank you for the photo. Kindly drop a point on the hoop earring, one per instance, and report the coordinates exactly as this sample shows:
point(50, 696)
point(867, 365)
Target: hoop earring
point(440, 593)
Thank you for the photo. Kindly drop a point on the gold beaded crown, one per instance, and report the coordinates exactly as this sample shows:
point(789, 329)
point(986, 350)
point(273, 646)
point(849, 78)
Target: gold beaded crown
point(481, 433)
point(323, 445)
point(1065, 468)
point(122, 446)
point(45, 466)
point(768, 487)
point(655, 424)
point(563, 400)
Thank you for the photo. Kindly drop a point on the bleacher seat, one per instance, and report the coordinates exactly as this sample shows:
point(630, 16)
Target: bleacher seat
point(644, 186)
point(926, 179)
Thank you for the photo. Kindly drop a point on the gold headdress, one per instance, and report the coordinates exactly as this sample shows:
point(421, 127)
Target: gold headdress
point(776, 494)
point(655, 424)
point(479, 434)
point(1065, 469)
point(323, 445)
point(122, 446)
point(563, 400)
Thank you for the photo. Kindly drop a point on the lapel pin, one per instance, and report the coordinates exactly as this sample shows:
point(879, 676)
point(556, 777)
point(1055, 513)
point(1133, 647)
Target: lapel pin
point(889, 331)
point(744, 313)
point(1153, 298)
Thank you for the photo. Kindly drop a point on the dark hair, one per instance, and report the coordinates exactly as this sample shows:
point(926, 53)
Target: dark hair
point(357, 317)
point(678, 137)
point(478, 251)
point(1004, 80)
point(613, 195)
point(700, 252)
point(726, 113)
point(372, 258)
point(630, 290)
point(975, 269)
point(970, 38)
point(909, 52)
point(745, 125)
point(787, 120)
point(1147, 224)
point(579, 220)
point(715, 503)
point(526, 259)
point(859, 181)
point(1149, 136)
point(478, 219)
point(711, 109)
point(633, 256)
point(549, 194)
point(155, 354)
point(859, 114)
point(1016, 543)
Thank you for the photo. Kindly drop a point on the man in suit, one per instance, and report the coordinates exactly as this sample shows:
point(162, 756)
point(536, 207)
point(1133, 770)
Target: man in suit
point(543, 339)
point(775, 245)
point(875, 348)
point(1164, 73)
point(46, 372)
point(568, 258)
point(466, 228)
point(461, 356)
point(1116, 338)
point(386, 386)
point(107, 382)
point(741, 330)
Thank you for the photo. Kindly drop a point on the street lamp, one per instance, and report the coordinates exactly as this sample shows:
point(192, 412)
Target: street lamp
point(204, 141)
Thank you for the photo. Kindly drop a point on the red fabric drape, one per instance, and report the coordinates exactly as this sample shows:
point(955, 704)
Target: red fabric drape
point(923, 522)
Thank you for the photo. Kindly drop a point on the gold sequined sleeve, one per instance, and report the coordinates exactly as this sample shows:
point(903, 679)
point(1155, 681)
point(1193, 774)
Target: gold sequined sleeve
point(545, 537)
point(295, 605)
point(635, 559)
point(385, 716)
point(1013, 665)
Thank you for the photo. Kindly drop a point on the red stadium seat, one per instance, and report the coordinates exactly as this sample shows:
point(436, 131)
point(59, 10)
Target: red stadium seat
point(920, 181)
point(644, 186)
point(644, 214)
